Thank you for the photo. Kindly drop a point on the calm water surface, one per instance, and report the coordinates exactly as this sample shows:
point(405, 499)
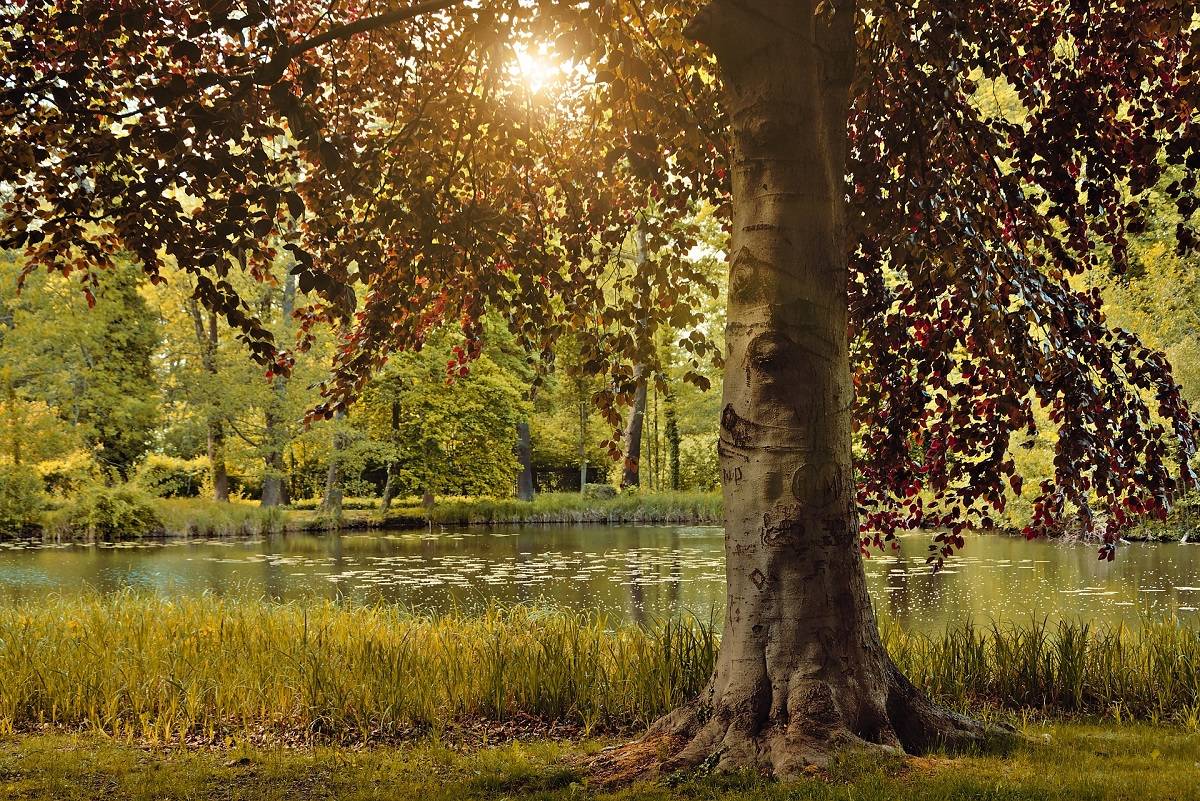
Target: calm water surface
point(638, 572)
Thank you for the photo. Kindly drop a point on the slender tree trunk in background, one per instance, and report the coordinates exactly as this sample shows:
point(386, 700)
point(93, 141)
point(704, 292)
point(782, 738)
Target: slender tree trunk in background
point(583, 465)
point(672, 435)
point(631, 474)
point(392, 484)
point(525, 462)
point(655, 457)
point(275, 489)
point(389, 487)
point(633, 431)
point(801, 672)
point(14, 427)
point(216, 458)
point(331, 500)
point(206, 338)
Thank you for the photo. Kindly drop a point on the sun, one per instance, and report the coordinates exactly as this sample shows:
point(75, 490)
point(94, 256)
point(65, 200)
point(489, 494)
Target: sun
point(536, 68)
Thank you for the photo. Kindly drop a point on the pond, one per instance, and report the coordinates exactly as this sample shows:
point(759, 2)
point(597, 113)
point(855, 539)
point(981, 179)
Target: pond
point(631, 572)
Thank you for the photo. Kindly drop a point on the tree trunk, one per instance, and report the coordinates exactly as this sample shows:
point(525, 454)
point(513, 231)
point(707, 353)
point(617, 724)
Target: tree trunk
point(207, 340)
point(331, 500)
point(525, 460)
point(390, 486)
point(633, 430)
point(583, 465)
point(802, 672)
point(631, 474)
point(216, 460)
point(672, 434)
point(275, 490)
point(393, 479)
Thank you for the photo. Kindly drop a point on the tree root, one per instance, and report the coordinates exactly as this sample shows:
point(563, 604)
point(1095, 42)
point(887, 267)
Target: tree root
point(804, 742)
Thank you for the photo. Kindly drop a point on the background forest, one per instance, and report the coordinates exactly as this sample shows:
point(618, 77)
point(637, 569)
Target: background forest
point(146, 395)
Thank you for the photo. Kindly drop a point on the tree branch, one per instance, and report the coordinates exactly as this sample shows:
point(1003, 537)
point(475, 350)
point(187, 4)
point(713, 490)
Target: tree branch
point(370, 23)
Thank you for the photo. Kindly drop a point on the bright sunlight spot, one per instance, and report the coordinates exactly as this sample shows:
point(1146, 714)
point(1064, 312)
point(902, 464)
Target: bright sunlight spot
point(538, 68)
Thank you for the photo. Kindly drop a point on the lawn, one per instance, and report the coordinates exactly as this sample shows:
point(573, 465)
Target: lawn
point(1056, 762)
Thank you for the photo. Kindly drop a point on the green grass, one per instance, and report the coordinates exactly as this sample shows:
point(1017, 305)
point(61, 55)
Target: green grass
point(203, 517)
point(1058, 763)
point(207, 669)
point(549, 507)
point(156, 670)
point(571, 507)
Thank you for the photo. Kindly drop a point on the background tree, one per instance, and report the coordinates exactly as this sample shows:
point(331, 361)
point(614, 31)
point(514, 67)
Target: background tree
point(94, 368)
point(445, 438)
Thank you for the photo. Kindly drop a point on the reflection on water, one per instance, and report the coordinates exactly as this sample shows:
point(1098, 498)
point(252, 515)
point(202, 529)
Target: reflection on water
point(637, 572)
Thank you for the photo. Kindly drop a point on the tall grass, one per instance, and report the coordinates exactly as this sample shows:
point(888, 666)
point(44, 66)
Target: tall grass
point(207, 668)
point(1151, 673)
point(199, 517)
point(572, 507)
point(142, 666)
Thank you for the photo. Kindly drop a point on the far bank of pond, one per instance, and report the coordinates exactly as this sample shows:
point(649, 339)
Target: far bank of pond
point(637, 573)
point(122, 513)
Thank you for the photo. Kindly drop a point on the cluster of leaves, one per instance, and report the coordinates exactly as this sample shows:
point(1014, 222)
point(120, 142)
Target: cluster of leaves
point(395, 153)
point(393, 150)
point(999, 151)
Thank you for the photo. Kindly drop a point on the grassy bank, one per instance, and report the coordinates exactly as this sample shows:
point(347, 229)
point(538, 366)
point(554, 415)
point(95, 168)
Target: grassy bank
point(1057, 763)
point(550, 507)
point(123, 513)
point(571, 507)
point(211, 670)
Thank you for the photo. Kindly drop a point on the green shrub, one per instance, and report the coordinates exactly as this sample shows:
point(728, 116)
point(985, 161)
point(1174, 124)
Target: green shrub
point(571, 507)
point(69, 474)
point(348, 502)
point(168, 477)
point(699, 464)
point(204, 517)
point(599, 492)
point(101, 512)
point(21, 498)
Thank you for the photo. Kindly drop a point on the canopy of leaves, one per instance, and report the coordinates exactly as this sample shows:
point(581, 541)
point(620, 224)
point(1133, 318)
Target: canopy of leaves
point(395, 149)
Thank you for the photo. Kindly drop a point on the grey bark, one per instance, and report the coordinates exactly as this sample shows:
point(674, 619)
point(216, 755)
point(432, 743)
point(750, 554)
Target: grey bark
point(275, 489)
point(207, 340)
point(390, 486)
point(525, 461)
point(631, 476)
point(331, 500)
point(672, 435)
point(802, 673)
point(583, 430)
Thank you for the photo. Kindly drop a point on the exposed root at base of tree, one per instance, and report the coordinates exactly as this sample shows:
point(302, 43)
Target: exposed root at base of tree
point(698, 736)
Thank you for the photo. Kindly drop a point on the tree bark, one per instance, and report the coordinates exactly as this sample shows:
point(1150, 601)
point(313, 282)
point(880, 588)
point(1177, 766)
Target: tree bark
point(633, 431)
point(389, 487)
point(631, 474)
point(275, 489)
point(331, 500)
point(216, 458)
point(583, 464)
point(672, 435)
point(802, 673)
point(525, 461)
point(393, 479)
point(207, 339)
